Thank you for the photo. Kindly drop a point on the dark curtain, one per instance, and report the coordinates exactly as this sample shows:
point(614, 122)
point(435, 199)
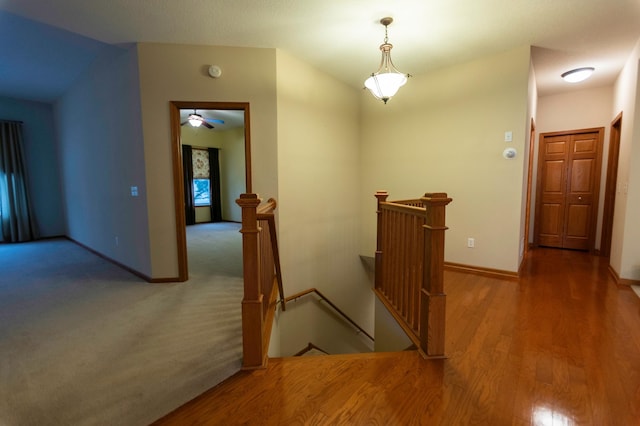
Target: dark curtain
point(187, 171)
point(18, 222)
point(214, 177)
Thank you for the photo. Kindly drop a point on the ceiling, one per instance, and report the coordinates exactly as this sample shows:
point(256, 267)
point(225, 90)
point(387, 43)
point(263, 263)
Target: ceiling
point(233, 119)
point(338, 36)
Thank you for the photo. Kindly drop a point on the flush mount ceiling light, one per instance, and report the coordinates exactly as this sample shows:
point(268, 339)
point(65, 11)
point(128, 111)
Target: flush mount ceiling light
point(577, 75)
point(385, 82)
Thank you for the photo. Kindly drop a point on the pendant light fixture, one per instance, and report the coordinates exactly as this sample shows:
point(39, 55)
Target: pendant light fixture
point(385, 82)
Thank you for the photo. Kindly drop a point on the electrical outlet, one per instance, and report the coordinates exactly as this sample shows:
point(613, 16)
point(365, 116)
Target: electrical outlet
point(471, 242)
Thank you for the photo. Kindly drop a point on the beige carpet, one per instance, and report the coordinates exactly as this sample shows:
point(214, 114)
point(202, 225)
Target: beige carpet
point(83, 342)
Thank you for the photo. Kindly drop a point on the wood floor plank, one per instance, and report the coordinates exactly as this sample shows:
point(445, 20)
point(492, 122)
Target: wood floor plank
point(559, 346)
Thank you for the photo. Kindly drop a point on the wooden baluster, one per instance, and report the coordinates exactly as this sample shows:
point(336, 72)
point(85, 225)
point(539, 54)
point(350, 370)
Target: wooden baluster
point(254, 355)
point(433, 299)
point(395, 258)
point(415, 251)
point(382, 229)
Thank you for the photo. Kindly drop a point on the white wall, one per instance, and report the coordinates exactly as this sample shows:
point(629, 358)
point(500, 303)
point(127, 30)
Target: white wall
point(625, 244)
point(574, 110)
point(318, 189)
point(309, 320)
point(232, 169)
point(390, 337)
point(179, 73)
point(444, 132)
point(101, 157)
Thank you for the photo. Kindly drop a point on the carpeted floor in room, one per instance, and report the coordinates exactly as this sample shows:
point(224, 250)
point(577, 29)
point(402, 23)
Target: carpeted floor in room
point(84, 342)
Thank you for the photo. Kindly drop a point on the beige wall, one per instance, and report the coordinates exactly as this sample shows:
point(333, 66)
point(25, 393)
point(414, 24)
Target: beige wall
point(625, 245)
point(444, 132)
point(232, 165)
point(390, 337)
point(179, 73)
point(318, 188)
point(576, 110)
point(310, 320)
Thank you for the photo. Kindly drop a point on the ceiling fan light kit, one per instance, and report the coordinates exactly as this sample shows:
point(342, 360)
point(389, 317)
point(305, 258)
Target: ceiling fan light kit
point(197, 120)
point(387, 80)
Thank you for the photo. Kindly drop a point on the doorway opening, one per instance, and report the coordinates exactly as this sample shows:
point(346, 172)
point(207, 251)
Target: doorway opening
point(227, 115)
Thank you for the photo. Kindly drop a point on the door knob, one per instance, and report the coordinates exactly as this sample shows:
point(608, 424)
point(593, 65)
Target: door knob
point(580, 198)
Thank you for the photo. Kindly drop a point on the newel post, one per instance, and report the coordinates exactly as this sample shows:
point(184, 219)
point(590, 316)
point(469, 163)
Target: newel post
point(433, 299)
point(252, 314)
point(382, 197)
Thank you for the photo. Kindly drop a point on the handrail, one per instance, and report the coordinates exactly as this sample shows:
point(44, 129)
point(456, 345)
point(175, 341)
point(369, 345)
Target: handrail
point(265, 212)
point(267, 207)
point(330, 303)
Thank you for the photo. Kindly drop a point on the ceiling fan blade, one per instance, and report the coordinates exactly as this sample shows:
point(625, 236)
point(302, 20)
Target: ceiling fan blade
point(207, 125)
point(184, 122)
point(214, 120)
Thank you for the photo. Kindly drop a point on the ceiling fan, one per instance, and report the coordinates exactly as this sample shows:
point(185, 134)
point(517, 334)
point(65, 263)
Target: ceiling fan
point(196, 120)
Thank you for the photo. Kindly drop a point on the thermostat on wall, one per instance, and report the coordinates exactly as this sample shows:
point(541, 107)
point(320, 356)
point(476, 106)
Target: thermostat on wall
point(509, 153)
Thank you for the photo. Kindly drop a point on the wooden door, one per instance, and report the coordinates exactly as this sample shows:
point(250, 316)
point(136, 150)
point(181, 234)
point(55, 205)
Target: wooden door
point(569, 166)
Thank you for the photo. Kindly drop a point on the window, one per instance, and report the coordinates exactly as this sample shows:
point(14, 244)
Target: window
point(201, 192)
point(201, 178)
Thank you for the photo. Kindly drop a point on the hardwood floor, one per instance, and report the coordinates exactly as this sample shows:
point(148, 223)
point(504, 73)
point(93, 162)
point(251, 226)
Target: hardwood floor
point(561, 346)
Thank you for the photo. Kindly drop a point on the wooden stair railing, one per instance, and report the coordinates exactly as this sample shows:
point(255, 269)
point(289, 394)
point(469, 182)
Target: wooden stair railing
point(409, 266)
point(262, 278)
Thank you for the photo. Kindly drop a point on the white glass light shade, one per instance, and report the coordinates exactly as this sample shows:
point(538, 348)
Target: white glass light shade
point(194, 120)
point(577, 75)
point(385, 85)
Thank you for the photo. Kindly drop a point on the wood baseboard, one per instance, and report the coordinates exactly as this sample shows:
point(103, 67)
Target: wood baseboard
point(479, 270)
point(622, 281)
point(125, 267)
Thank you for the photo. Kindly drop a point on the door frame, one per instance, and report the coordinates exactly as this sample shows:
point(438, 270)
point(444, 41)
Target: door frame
point(596, 194)
point(178, 179)
point(610, 186)
point(527, 218)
